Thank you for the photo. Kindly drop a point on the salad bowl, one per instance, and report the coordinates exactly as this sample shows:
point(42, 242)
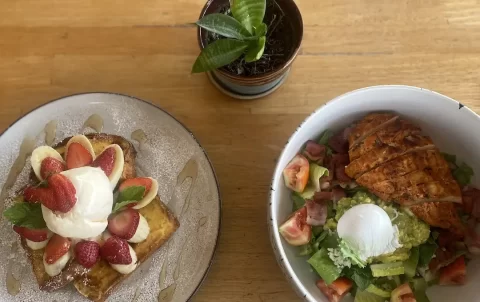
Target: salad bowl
point(449, 124)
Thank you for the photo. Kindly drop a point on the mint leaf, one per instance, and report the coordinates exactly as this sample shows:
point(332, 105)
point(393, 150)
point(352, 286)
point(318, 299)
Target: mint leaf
point(463, 174)
point(25, 214)
point(134, 193)
point(122, 204)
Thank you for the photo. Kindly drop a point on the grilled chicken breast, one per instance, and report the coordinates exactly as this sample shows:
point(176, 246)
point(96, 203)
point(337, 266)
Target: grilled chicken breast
point(390, 157)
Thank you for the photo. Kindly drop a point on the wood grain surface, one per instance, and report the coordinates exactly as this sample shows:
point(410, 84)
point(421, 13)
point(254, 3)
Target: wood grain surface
point(145, 48)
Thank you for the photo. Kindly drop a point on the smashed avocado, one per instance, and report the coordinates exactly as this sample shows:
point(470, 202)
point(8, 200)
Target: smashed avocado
point(412, 231)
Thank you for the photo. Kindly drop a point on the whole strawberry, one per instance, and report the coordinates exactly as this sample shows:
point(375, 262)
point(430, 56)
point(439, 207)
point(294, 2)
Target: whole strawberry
point(116, 251)
point(87, 253)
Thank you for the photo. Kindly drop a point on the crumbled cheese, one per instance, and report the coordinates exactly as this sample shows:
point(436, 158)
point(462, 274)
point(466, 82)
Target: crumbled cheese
point(338, 258)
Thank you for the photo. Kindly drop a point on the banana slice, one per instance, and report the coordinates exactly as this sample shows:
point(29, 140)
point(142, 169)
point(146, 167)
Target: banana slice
point(57, 267)
point(39, 154)
point(82, 140)
point(149, 196)
point(118, 164)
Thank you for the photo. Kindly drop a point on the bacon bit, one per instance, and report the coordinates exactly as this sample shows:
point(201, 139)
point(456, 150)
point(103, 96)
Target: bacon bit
point(315, 152)
point(471, 202)
point(338, 193)
point(316, 212)
point(472, 239)
point(322, 196)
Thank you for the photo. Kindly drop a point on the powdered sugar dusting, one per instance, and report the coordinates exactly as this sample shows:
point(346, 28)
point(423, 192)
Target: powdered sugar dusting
point(163, 156)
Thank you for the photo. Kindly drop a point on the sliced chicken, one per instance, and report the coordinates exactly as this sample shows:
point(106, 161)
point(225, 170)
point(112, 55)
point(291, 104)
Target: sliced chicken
point(369, 125)
point(390, 157)
point(439, 214)
point(404, 164)
point(385, 153)
point(393, 134)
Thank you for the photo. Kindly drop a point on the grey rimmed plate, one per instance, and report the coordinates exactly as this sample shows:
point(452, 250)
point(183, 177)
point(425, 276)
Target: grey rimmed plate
point(171, 154)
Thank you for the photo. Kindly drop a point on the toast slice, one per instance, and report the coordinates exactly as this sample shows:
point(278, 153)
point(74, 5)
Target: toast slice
point(101, 280)
point(73, 270)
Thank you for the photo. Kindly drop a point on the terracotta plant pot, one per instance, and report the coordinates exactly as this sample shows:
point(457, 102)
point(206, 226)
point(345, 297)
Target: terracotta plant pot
point(258, 85)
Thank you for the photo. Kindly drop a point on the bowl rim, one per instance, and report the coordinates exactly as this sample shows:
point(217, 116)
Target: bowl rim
point(275, 238)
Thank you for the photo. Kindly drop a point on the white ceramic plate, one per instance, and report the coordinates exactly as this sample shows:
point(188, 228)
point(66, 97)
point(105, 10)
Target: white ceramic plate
point(180, 265)
point(452, 126)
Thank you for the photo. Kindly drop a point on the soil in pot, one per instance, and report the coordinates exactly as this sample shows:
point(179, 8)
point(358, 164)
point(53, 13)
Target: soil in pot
point(278, 47)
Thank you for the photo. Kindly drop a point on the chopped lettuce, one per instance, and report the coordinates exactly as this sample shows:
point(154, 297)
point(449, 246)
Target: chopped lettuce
point(411, 263)
point(338, 258)
point(308, 192)
point(330, 241)
point(421, 296)
point(387, 269)
point(362, 277)
point(324, 266)
point(463, 174)
point(317, 230)
point(350, 253)
point(306, 250)
point(316, 172)
point(298, 201)
point(451, 158)
point(419, 284)
point(378, 291)
point(364, 296)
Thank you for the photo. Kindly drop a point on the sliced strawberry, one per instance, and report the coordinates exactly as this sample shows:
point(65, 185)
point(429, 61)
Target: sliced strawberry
point(124, 224)
point(51, 166)
point(64, 193)
point(116, 251)
point(78, 156)
point(137, 182)
point(56, 247)
point(87, 253)
point(32, 234)
point(105, 161)
point(454, 274)
point(38, 194)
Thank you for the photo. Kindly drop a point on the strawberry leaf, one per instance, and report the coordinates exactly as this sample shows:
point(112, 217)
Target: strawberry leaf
point(26, 214)
point(133, 193)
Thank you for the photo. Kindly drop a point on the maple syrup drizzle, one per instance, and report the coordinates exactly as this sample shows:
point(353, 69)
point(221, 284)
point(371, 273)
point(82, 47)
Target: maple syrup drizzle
point(189, 171)
point(50, 132)
point(13, 284)
point(26, 148)
point(95, 122)
point(139, 136)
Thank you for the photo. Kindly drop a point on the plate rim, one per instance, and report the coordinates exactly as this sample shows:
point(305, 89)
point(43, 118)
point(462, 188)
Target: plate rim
point(217, 239)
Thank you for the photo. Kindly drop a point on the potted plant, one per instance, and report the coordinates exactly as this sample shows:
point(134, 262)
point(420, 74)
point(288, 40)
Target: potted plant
point(248, 46)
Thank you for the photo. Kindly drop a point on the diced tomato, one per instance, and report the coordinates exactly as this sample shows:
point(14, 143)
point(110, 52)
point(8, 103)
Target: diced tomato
point(296, 173)
point(337, 290)
point(402, 293)
point(454, 274)
point(295, 230)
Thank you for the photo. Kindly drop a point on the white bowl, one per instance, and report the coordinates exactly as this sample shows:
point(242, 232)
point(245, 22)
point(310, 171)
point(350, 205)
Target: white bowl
point(454, 129)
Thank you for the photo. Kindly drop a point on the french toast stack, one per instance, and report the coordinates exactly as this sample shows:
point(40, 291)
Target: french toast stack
point(98, 282)
point(392, 159)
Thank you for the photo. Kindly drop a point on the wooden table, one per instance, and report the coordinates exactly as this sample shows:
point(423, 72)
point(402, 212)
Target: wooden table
point(145, 48)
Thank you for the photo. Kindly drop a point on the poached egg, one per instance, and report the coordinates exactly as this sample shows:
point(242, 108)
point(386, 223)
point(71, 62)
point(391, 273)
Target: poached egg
point(89, 216)
point(367, 229)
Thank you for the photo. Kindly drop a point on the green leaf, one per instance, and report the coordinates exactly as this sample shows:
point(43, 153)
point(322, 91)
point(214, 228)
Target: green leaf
point(255, 50)
point(249, 12)
point(364, 296)
point(450, 158)
point(330, 241)
point(298, 201)
point(219, 53)
point(120, 205)
point(318, 230)
point(323, 140)
point(133, 193)
point(316, 172)
point(324, 266)
point(349, 252)
point(463, 174)
point(361, 276)
point(306, 250)
point(224, 25)
point(411, 263)
point(26, 214)
point(260, 30)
